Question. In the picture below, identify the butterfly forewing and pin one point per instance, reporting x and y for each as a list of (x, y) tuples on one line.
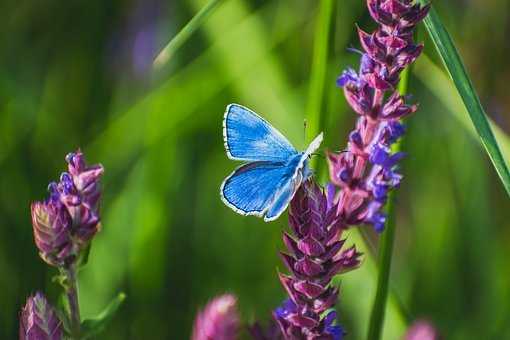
[(248, 137)]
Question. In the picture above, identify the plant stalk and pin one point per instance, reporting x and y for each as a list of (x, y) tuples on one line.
[(315, 117), (386, 248), (72, 297)]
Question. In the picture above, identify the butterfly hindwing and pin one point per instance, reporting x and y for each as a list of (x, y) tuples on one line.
[(252, 188), (248, 137), (283, 198)]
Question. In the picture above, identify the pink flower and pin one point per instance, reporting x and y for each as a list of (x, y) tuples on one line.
[(421, 330), (219, 320)]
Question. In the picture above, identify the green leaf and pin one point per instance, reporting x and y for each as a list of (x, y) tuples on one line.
[(455, 67), (94, 326), (63, 311)]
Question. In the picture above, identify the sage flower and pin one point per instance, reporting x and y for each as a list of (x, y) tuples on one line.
[(366, 171), (65, 222), (38, 320)]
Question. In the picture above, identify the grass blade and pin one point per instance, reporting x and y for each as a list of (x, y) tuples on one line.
[(386, 249), (184, 34), (455, 67), (321, 51)]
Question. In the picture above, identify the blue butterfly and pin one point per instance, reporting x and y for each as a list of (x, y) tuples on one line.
[(265, 185)]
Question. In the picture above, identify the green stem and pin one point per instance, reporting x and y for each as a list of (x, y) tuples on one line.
[(72, 297), (321, 51), (386, 249), (180, 38)]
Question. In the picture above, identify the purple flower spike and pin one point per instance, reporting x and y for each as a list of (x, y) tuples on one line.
[(69, 218), (366, 171), (315, 255), (219, 320), (38, 320)]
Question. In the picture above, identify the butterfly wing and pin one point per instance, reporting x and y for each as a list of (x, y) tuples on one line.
[(249, 137), (283, 197), (252, 188)]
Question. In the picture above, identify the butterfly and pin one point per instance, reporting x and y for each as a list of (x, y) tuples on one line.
[(266, 184)]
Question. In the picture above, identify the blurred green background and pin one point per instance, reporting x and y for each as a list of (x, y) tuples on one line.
[(79, 74)]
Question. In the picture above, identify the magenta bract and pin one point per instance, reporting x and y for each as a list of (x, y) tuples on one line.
[(316, 254)]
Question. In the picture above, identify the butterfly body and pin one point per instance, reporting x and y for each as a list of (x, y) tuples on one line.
[(274, 170)]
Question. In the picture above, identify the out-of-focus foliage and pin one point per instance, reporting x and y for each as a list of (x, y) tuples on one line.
[(79, 74)]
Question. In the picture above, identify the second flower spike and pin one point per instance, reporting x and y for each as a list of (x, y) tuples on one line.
[(66, 221), (315, 255)]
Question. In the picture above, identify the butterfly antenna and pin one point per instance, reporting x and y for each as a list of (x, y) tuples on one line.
[(304, 131)]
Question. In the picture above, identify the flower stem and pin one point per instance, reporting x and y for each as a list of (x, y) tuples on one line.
[(315, 117), (386, 248), (72, 297)]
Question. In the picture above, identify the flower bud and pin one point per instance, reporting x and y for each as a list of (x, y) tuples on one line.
[(421, 330), (219, 320), (38, 320), (51, 223)]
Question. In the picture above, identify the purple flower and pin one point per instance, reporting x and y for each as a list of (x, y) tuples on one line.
[(38, 320), (366, 171), (69, 218), (79, 191), (348, 78), (421, 330), (219, 320), (315, 255)]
